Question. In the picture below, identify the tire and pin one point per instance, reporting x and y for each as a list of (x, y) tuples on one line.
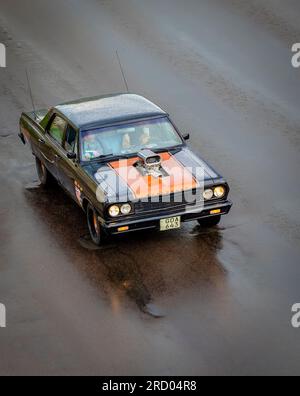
[(95, 228), (43, 174), (210, 222)]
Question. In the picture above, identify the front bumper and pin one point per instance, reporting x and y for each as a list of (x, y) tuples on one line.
[(153, 221)]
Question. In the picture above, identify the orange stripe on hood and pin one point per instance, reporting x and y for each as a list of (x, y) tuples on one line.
[(179, 179)]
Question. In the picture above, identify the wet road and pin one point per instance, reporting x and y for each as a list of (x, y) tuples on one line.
[(222, 68)]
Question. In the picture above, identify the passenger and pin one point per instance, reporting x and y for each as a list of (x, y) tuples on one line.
[(91, 147)]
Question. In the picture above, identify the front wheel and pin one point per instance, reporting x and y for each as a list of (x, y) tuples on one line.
[(210, 221), (95, 228)]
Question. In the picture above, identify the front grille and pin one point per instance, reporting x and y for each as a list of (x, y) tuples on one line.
[(178, 202), (149, 206), (174, 201)]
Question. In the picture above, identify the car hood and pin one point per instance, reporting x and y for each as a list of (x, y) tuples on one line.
[(121, 181)]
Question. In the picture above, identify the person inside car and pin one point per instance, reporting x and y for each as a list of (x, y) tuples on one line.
[(144, 139), (126, 143), (91, 147)]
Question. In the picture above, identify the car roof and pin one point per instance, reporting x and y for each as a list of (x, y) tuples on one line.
[(108, 109)]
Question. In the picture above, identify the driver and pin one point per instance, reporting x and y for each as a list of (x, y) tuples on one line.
[(91, 147), (145, 137), (126, 143)]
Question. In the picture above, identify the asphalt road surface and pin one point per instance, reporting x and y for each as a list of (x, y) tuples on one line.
[(222, 68)]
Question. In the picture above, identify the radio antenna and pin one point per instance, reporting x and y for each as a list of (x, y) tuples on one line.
[(122, 71), (30, 93)]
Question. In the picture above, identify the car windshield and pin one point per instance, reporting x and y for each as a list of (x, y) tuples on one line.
[(118, 140)]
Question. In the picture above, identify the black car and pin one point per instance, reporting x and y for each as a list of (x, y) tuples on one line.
[(125, 163)]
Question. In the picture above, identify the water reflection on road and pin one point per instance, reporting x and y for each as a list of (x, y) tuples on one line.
[(143, 265)]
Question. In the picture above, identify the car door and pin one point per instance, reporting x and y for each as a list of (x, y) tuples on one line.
[(67, 163), (51, 145)]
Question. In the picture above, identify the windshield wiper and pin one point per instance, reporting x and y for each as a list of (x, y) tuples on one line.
[(174, 149), (108, 157)]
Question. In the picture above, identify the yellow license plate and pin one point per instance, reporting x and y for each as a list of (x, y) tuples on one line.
[(172, 223)]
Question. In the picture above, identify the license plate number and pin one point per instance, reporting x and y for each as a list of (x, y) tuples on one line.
[(172, 223)]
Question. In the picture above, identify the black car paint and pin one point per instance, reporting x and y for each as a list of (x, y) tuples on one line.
[(68, 171)]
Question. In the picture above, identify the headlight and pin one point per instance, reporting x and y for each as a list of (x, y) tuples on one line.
[(208, 194), (114, 211), (125, 209), (219, 192)]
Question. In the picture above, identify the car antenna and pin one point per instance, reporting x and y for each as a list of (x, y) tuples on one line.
[(30, 93), (122, 71)]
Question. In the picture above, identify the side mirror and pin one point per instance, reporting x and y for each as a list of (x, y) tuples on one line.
[(186, 136), (72, 156)]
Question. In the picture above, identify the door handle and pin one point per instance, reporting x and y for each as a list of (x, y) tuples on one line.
[(57, 156), (42, 141)]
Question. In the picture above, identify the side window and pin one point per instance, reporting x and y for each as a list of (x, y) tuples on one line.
[(71, 141), (57, 129)]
